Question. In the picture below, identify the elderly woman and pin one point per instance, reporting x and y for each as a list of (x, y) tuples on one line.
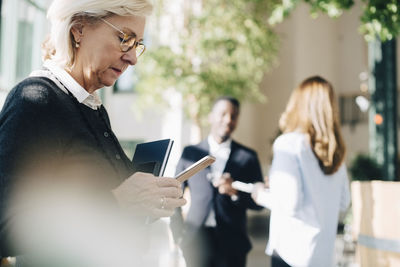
[(59, 157)]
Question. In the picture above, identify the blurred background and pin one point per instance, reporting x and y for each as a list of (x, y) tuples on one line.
[(258, 51)]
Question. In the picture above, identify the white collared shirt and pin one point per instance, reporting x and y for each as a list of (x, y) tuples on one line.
[(62, 78), (221, 153), (304, 202)]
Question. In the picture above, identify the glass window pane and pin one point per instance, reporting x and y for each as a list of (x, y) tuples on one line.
[(350, 113), (1, 37), (24, 55)]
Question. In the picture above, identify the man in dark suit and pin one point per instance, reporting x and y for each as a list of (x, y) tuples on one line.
[(214, 231)]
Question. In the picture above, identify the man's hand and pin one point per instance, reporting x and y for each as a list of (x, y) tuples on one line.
[(266, 181), (224, 185)]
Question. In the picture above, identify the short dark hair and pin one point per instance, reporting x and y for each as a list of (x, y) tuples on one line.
[(230, 99)]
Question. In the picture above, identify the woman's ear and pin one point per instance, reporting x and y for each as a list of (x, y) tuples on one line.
[(76, 31)]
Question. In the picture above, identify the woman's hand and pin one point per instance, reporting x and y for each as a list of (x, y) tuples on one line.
[(258, 189), (143, 194)]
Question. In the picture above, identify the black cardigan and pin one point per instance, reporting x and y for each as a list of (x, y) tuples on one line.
[(44, 130)]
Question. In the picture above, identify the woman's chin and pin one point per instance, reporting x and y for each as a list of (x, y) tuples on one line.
[(109, 82)]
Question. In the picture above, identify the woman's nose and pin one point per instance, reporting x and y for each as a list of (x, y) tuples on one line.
[(130, 57)]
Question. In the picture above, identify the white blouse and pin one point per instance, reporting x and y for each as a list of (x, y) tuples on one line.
[(64, 80), (304, 202)]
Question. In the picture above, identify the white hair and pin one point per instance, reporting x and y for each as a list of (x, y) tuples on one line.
[(64, 14)]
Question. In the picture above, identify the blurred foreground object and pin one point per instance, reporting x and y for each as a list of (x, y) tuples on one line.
[(376, 219)]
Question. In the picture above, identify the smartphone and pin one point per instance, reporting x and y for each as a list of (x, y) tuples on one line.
[(195, 168), (244, 187)]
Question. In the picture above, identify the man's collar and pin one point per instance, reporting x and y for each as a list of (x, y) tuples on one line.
[(214, 144)]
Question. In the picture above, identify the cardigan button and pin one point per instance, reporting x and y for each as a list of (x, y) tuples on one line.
[(117, 156), (106, 134)]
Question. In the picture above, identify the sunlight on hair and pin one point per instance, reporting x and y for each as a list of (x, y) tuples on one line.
[(312, 109)]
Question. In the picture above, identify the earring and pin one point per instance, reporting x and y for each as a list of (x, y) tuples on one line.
[(77, 45)]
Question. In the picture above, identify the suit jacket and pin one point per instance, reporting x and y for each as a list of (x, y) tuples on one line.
[(243, 165)]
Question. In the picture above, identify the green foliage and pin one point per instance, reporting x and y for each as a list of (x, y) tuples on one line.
[(224, 50), (365, 168), (334, 8), (379, 19)]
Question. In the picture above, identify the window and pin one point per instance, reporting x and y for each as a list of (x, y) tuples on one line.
[(1, 37), (350, 112), (26, 19), (24, 48)]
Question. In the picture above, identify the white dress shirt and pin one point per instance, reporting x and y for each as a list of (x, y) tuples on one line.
[(221, 153), (305, 204), (63, 78)]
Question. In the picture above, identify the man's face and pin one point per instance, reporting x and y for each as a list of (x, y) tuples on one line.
[(223, 119)]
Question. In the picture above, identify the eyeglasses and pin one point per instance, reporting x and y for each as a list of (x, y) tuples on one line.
[(128, 41)]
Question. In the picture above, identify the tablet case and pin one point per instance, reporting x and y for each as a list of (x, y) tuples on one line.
[(152, 157)]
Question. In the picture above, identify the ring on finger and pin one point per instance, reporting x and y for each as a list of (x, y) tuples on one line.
[(162, 202)]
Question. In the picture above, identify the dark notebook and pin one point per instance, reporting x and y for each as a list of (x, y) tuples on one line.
[(152, 157)]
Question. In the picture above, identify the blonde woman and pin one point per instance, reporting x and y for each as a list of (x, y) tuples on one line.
[(308, 184)]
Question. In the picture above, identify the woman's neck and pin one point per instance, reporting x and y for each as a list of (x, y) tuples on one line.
[(79, 75)]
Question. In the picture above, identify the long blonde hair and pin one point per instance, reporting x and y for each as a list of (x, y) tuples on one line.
[(312, 109), (64, 14)]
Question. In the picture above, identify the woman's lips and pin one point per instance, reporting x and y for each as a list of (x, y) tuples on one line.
[(117, 71)]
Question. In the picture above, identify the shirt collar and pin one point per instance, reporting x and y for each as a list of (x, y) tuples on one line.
[(83, 96), (215, 146)]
